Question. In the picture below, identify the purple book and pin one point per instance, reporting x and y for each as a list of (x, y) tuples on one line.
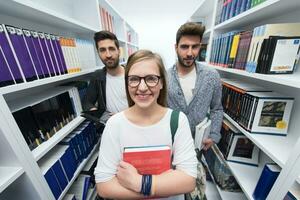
[(18, 44), (61, 55), (9, 57), (52, 54), (40, 53), (42, 40), (6, 77), (33, 54), (57, 55)]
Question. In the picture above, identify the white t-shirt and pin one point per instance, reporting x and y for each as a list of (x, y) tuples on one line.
[(116, 100), (187, 83), (119, 132)]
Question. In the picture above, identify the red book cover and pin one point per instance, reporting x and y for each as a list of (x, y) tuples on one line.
[(149, 159)]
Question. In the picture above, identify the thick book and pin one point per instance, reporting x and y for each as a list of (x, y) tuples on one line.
[(9, 58), (18, 45), (202, 132), (270, 113), (266, 180), (149, 159)]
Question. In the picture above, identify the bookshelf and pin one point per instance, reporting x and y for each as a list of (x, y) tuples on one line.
[(127, 36), (9, 175), (283, 150), (20, 174)]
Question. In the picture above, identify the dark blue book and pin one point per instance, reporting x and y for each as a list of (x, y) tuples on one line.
[(69, 163), (265, 182), (9, 57), (53, 183), (18, 45), (33, 53), (60, 175)]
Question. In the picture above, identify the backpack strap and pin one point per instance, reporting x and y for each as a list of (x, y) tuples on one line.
[(174, 123)]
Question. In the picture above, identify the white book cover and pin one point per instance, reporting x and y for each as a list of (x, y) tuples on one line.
[(286, 55), (202, 131), (272, 113)]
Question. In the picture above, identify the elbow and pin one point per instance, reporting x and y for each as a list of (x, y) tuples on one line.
[(101, 191), (191, 185)]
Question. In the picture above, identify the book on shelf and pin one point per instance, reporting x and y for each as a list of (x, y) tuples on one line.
[(202, 52), (293, 194), (269, 113), (266, 181), (220, 170), (81, 186), (279, 55), (264, 32), (236, 147), (33, 53), (202, 131), (9, 56), (149, 159)]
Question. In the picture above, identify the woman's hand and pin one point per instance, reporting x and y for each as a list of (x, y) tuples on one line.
[(129, 177)]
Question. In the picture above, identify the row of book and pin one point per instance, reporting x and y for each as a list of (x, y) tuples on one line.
[(227, 9), (27, 55), (39, 122), (235, 147), (107, 20), (60, 164), (84, 186), (256, 109), (267, 49)]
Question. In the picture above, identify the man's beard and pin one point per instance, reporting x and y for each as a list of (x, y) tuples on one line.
[(111, 64), (181, 62)]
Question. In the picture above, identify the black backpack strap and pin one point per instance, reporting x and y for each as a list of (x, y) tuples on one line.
[(174, 123)]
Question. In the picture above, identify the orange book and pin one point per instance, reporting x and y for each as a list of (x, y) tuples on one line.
[(149, 159)]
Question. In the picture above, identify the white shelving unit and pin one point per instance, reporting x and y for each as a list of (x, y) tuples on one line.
[(9, 175), (122, 30), (283, 150), (20, 175)]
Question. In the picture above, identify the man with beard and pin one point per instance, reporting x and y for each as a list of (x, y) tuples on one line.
[(192, 87), (106, 90)]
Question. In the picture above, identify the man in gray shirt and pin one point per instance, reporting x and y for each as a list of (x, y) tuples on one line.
[(194, 88)]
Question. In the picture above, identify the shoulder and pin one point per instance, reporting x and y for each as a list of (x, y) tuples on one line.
[(99, 74), (208, 72), (116, 119), (181, 118)]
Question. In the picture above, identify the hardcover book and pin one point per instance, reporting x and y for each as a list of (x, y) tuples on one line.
[(266, 180), (270, 113), (15, 36), (149, 159), (9, 57), (201, 133)]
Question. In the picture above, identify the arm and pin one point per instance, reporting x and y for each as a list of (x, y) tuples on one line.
[(91, 96), (216, 109)]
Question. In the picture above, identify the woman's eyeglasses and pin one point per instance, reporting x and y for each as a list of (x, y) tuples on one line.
[(150, 80)]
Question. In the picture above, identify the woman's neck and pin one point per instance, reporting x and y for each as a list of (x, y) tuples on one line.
[(145, 116)]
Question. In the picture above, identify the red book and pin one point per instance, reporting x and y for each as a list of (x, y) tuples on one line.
[(149, 159)]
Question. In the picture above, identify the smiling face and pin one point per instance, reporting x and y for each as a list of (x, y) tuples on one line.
[(108, 53), (187, 50), (142, 95)]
